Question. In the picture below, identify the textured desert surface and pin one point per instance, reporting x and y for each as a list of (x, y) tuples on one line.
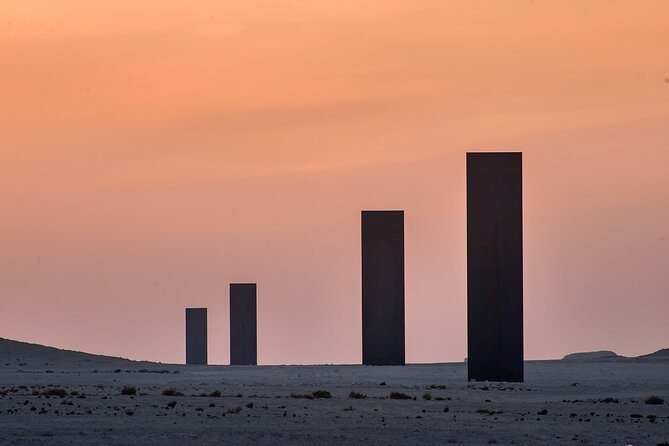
[(54, 397)]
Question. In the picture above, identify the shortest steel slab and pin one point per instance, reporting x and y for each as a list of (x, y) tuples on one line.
[(196, 336)]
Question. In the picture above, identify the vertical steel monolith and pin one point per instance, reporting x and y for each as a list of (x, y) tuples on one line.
[(243, 324), (383, 288), (495, 266), (196, 336)]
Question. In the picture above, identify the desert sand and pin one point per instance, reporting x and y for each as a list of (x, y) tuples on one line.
[(53, 397)]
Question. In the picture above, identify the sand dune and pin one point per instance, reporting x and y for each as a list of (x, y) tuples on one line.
[(53, 397)]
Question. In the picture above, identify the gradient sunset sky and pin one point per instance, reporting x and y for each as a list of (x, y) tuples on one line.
[(151, 152)]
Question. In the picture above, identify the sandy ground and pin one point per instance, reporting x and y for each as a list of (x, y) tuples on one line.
[(560, 403)]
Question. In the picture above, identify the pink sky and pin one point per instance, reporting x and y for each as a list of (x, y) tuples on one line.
[(151, 152)]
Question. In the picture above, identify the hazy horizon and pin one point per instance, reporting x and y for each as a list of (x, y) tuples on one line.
[(146, 164)]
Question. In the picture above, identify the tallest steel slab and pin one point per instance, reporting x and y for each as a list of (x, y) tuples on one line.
[(495, 266), (383, 287)]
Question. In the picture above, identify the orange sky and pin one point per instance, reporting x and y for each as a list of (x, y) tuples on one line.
[(151, 152)]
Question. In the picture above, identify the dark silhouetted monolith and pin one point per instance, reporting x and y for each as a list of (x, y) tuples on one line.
[(243, 324), (196, 336), (495, 266), (383, 287)]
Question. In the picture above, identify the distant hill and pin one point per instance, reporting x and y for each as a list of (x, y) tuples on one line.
[(600, 356), (660, 356), (609, 356), (28, 356)]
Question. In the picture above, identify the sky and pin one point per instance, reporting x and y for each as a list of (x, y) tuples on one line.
[(152, 152)]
